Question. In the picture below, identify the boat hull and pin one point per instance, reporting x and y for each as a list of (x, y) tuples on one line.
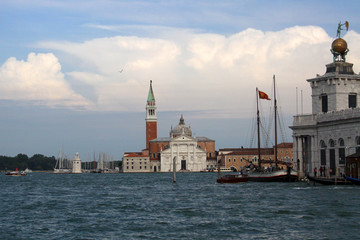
[(273, 176), (15, 174), (329, 181), (232, 179), (353, 180)]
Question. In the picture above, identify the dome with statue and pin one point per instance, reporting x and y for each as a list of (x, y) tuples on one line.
[(182, 128)]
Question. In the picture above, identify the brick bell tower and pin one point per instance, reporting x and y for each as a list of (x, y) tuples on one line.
[(151, 118)]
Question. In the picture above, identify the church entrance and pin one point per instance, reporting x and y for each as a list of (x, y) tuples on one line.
[(183, 164)]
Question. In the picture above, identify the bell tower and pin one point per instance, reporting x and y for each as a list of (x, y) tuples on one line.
[(151, 117)]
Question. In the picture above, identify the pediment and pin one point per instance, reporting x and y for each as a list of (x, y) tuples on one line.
[(183, 138)]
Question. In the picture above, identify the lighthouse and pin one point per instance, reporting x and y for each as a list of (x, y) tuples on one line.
[(76, 164)]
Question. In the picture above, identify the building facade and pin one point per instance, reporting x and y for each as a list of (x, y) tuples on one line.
[(136, 162), (331, 132), (237, 159), (191, 153)]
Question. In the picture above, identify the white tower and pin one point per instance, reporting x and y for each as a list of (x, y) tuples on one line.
[(76, 164)]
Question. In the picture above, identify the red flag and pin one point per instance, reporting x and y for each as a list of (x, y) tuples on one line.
[(263, 95)]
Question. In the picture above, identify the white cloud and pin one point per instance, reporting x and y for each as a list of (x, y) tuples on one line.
[(191, 71), (37, 79)]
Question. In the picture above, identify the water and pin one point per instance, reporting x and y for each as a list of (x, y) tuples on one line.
[(151, 206)]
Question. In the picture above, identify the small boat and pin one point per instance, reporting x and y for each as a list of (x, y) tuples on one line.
[(232, 178), (353, 180), (329, 181), (16, 173)]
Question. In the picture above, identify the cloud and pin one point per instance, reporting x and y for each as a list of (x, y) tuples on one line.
[(38, 79), (212, 74)]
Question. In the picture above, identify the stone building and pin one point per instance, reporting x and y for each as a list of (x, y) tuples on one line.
[(237, 159), (332, 131)]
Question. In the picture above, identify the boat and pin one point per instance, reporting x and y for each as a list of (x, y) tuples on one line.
[(16, 173), (329, 181), (259, 174), (232, 178), (353, 180), (282, 175), (61, 164), (28, 170)]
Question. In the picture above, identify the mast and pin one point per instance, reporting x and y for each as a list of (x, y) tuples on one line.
[(258, 125), (275, 110)]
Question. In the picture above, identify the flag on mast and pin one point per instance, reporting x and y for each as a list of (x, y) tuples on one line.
[(263, 95)]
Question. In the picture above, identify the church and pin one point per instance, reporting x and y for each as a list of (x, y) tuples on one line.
[(325, 138), (190, 153)]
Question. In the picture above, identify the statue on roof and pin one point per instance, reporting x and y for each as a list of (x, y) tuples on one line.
[(338, 33), (339, 46)]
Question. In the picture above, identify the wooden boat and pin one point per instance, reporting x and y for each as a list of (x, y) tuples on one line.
[(232, 178), (353, 180), (329, 181), (282, 175), (277, 175)]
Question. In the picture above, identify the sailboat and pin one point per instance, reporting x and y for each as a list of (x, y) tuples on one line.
[(277, 174), (60, 164)]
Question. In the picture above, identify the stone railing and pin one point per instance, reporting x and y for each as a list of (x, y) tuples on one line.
[(348, 113), (304, 120)]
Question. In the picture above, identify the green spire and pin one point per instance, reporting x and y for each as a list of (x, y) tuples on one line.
[(151, 97)]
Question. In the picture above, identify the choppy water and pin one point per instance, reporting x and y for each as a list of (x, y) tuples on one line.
[(151, 206)]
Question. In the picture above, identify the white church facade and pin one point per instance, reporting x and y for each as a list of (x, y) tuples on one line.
[(187, 154)]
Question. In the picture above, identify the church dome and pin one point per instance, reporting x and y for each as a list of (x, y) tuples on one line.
[(182, 128)]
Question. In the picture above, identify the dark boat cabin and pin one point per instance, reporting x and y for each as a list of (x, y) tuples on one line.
[(353, 165)]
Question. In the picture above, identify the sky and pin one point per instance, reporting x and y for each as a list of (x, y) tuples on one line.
[(75, 75)]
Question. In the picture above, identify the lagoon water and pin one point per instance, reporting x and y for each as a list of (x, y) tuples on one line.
[(151, 206)]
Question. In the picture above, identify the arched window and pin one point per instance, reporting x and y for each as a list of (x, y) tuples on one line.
[(332, 143), (332, 156), (341, 151), (322, 153)]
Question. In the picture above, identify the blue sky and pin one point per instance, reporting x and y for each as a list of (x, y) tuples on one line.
[(59, 68)]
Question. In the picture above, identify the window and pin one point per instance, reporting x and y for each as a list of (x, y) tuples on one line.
[(352, 100), (229, 159), (341, 151), (324, 103), (234, 160)]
